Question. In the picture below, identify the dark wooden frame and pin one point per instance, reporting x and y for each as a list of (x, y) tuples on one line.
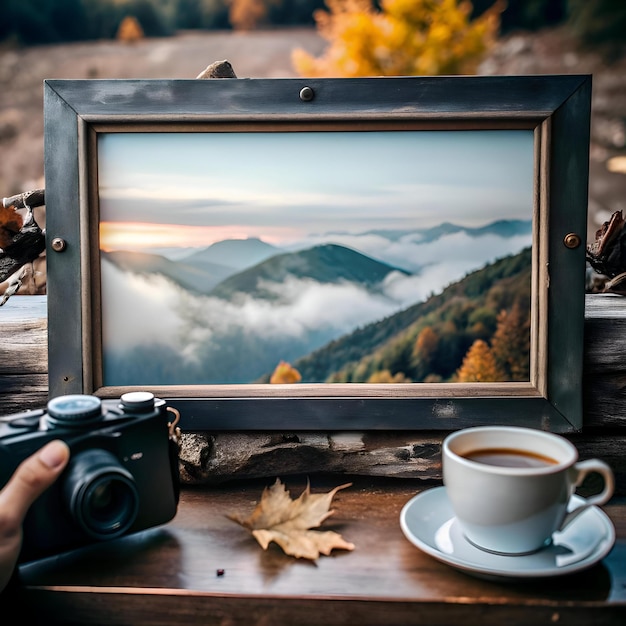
[(557, 108)]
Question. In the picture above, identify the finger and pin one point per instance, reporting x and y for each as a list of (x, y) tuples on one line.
[(33, 476)]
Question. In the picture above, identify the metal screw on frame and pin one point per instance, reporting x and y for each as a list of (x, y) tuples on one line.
[(307, 94), (571, 241), (58, 244)]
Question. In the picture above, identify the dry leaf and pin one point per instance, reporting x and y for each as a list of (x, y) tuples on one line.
[(10, 223), (288, 522)]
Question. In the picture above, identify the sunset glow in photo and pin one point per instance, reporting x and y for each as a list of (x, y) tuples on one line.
[(190, 190), (146, 236)]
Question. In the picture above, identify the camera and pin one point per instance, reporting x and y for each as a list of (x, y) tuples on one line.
[(122, 476)]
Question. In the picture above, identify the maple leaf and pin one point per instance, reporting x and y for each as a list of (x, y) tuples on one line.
[(287, 522)]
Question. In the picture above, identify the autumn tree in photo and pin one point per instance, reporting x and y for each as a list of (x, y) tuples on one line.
[(479, 365), (385, 376), (285, 373), (426, 344), (402, 38), (511, 343), (424, 350)]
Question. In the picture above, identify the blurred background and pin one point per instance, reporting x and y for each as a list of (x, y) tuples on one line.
[(42, 39)]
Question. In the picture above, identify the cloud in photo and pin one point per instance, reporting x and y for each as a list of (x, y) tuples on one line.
[(305, 314), (457, 253), (141, 310)]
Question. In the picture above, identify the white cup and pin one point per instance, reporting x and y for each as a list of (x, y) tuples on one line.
[(515, 510)]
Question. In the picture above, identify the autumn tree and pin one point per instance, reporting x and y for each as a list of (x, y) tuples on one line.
[(424, 349), (285, 373), (247, 14), (479, 365), (385, 376), (451, 347), (426, 343), (402, 38), (511, 342), (129, 30)]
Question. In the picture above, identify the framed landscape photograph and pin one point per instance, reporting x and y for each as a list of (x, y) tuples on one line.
[(384, 253)]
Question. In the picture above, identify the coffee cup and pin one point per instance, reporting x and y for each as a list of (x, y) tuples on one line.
[(511, 488)]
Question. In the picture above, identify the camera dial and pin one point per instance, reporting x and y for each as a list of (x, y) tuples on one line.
[(137, 402), (73, 411)]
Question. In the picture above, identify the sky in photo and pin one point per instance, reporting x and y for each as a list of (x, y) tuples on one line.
[(181, 190)]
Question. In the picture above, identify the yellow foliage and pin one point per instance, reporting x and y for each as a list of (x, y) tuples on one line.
[(511, 342), (403, 38), (285, 373), (385, 376), (247, 14), (479, 365), (426, 344), (129, 30)]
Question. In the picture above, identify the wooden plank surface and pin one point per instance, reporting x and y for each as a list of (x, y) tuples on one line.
[(172, 575)]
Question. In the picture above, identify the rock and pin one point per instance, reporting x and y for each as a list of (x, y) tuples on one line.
[(219, 69), (210, 459)]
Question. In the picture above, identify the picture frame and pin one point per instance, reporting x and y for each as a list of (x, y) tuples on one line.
[(554, 110)]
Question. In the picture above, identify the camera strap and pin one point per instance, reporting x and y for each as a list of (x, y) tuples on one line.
[(175, 434), (175, 443)]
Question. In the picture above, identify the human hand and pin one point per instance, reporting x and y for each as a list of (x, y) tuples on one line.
[(32, 477)]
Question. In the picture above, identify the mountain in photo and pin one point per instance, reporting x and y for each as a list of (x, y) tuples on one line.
[(234, 253), (326, 264), (194, 278), (499, 228)]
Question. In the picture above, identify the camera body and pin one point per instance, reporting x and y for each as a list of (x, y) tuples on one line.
[(122, 476)]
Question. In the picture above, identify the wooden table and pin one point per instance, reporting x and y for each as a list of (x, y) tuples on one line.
[(173, 574)]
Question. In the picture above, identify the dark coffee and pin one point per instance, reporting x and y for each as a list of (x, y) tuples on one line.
[(509, 458)]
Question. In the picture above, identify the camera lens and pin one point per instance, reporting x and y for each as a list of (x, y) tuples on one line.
[(74, 411), (101, 494)]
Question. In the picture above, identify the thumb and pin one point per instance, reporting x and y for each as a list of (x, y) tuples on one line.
[(32, 477)]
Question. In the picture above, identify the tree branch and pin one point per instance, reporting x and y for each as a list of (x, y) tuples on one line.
[(26, 200)]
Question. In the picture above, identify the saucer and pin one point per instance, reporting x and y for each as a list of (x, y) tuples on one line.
[(428, 522)]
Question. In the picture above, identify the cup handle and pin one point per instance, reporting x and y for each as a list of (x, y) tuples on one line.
[(580, 471)]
